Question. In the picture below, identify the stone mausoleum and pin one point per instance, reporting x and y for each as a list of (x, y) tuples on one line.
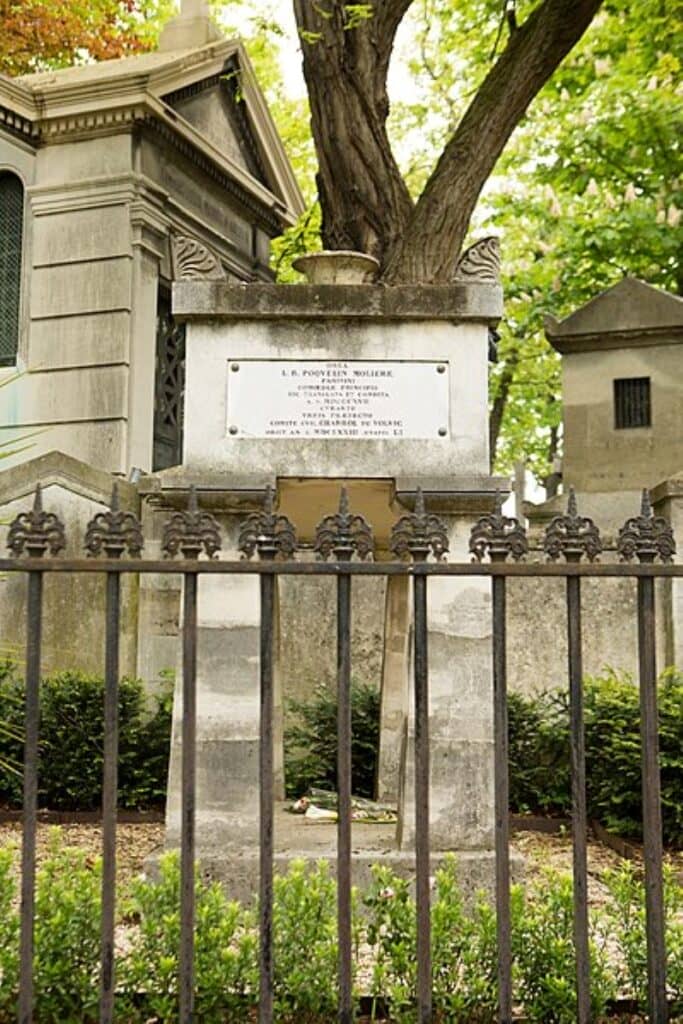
[(116, 180), (622, 395)]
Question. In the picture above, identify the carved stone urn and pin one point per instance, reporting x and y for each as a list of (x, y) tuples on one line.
[(337, 267)]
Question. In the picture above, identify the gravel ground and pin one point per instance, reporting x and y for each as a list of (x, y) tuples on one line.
[(136, 842)]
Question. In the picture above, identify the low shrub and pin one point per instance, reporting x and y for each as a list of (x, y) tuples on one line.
[(539, 753), (305, 955), (71, 742), (226, 952), (9, 935), (311, 741), (305, 944), (613, 753), (67, 935), (464, 960), (543, 951), (627, 891)]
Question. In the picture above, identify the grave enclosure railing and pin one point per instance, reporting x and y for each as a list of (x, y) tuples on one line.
[(114, 545)]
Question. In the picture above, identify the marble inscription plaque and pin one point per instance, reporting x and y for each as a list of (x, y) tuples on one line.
[(379, 399)]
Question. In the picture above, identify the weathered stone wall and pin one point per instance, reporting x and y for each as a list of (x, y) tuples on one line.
[(308, 633), (74, 605), (537, 630), (597, 456)]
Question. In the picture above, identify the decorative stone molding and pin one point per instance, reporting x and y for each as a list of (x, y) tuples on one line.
[(480, 263), (16, 124), (192, 261)]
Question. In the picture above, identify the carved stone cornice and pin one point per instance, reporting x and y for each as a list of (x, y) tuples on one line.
[(18, 125), (270, 219)]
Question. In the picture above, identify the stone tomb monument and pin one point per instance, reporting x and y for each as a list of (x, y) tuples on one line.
[(384, 390)]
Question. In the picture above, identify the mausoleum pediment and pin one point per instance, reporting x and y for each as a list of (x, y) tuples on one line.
[(215, 109), (206, 98), (631, 310)]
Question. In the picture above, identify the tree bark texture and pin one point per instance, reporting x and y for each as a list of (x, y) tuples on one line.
[(364, 199), (365, 202)]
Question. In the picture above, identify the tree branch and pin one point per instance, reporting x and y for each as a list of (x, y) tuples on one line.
[(437, 227), (389, 15)]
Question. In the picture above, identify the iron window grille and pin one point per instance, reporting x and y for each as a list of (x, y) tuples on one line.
[(11, 241), (632, 403)]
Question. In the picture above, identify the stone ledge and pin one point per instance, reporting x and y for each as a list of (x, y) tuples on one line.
[(57, 468), (218, 300), (472, 494), (235, 861)]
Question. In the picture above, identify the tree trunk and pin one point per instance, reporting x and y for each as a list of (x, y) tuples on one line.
[(364, 199), (500, 404), (365, 202)]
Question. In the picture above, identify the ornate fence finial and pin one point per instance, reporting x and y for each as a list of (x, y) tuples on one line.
[(344, 534), (269, 534), (647, 536), (419, 534), (36, 532), (572, 535), (191, 532), (498, 536), (114, 532)]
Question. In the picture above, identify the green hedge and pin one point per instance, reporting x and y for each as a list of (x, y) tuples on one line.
[(538, 750), (71, 742), (311, 741), (539, 753)]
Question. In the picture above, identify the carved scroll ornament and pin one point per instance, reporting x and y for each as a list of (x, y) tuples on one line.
[(480, 264), (193, 261)]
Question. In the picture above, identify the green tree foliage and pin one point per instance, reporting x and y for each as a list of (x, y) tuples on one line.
[(589, 189), (596, 194)]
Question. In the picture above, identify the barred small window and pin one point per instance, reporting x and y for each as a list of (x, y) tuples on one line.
[(11, 238), (632, 404)]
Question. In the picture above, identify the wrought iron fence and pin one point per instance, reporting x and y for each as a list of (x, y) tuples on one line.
[(344, 544)]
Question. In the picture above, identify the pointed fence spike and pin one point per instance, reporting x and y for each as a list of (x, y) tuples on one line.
[(646, 505), (419, 502), (38, 499), (499, 502), (115, 504), (344, 502), (269, 501), (192, 505), (572, 507)]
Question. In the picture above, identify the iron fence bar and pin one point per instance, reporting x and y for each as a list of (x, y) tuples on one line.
[(266, 802), (109, 795), (422, 860), (344, 790), (502, 802), (332, 568), (188, 785), (579, 814), (652, 808), (34, 613)]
